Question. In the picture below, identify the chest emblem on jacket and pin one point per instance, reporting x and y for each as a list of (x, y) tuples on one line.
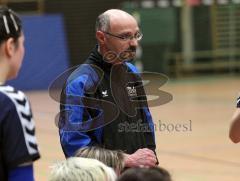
[(132, 91), (104, 93)]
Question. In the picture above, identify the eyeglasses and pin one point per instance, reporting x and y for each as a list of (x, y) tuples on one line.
[(138, 36)]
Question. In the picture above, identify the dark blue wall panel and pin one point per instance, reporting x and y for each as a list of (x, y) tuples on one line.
[(46, 54)]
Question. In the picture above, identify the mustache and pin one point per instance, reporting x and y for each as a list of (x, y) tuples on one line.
[(132, 49), (128, 54)]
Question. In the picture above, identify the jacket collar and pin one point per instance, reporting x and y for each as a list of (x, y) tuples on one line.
[(98, 58)]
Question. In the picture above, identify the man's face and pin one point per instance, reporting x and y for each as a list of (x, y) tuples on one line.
[(125, 28)]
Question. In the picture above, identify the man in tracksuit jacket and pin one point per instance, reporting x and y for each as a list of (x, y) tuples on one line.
[(103, 102)]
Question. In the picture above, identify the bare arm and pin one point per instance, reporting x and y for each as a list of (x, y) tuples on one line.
[(234, 132)]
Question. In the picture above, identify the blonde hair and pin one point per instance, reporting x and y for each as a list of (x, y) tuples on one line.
[(81, 169), (112, 158)]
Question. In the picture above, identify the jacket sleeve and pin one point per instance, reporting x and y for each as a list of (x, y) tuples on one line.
[(21, 173), (74, 114)]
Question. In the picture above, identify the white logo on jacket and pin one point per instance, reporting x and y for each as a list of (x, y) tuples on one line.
[(104, 93), (132, 91)]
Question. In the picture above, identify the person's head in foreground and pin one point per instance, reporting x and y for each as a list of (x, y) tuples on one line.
[(11, 44), (81, 169), (145, 174), (112, 158), (118, 34)]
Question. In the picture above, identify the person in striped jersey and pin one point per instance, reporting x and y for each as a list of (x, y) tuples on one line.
[(234, 132), (18, 146)]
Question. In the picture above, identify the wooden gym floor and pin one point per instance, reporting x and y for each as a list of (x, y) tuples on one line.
[(197, 150)]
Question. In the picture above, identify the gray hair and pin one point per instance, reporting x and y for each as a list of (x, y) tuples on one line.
[(103, 22), (81, 169)]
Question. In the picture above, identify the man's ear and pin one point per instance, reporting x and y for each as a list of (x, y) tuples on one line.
[(100, 37), (10, 47)]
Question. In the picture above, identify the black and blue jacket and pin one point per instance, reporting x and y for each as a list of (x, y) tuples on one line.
[(104, 104)]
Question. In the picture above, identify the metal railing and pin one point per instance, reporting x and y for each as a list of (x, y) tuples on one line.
[(222, 59)]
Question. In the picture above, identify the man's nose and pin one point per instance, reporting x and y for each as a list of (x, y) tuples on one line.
[(133, 42)]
